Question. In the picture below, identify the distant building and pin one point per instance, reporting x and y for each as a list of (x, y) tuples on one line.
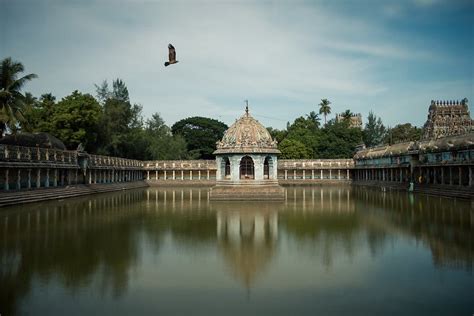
[(447, 118), (355, 119)]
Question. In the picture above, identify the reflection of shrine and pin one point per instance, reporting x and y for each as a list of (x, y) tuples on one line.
[(247, 237)]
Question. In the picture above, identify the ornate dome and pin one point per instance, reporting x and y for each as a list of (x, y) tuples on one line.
[(247, 135)]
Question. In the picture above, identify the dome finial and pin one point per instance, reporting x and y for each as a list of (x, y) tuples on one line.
[(247, 107)]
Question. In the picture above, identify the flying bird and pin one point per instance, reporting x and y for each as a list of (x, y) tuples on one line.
[(171, 56)]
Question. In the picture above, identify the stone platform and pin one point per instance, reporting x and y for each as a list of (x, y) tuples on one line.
[(266, 190)]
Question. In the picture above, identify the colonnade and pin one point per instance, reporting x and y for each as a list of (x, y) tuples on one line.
[(314, 174), (30, 178), (457, 175), (181, 174), (382, 174)]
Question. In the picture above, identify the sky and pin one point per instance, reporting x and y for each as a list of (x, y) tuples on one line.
[(391, 57)]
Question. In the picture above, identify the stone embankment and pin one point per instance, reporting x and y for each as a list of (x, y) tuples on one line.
[(438, 190), (55, 193)]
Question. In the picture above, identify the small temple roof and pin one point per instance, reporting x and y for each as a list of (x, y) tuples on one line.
[(457, 142), (247, 135)]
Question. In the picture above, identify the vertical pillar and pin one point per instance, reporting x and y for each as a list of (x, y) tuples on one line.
[(286, 174), (28, 185), (460, 175), (312, 174), (199, 175), (294, 174), (95, 175), (304, 174), (435, 181), (75, 176), (7, 180), (55, 178), (401, 174), (165, 175), (470, 177), (339, 174), (330, 176), (347, 174), (182, 175), (383, 174), (450, 175), (46, 179), (18, 180), (442, 175), (38, 178), (208, 177), (148, 174), (190, 174), (321, 174), (156, 174), (90, 177)]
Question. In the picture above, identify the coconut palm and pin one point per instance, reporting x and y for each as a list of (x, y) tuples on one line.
[(324, 108), (347, 114), (12, 101)]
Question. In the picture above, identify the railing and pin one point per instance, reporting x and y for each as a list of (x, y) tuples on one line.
[(106, 161), (315, 163), (180, 165), (36, 154)]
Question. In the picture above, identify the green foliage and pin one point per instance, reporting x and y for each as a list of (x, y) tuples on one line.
[(402, 133), (293, 149), (324, 108), (374, 132), (12, 102), (75, 120), (338, 140), (200, 134), (163, 145), (277, 134)]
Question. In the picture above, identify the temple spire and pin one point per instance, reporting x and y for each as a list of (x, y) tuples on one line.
[(247, 107)]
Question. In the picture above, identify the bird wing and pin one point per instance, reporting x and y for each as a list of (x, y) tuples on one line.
[(172, 53)]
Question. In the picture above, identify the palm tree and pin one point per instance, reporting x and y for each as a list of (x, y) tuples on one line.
[(324, 108), (12, 102), (347, 114)]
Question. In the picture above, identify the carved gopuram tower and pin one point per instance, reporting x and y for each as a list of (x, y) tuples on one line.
[(447, 118)]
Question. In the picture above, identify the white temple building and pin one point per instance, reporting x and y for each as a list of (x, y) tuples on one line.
[(246, 159)]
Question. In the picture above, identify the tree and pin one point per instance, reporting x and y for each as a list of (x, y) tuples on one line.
[(374, 132), (75, 120), (38, 114), (12, 101), (277, 134), (163, 145), (102, 91), (347, 115), (402, 133), (293, 149), (200, 134), (324, 108), (337, 140)]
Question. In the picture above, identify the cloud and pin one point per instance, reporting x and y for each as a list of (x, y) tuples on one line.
[(285, 56)]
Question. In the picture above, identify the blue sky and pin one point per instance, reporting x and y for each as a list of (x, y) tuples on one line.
[(392, 57)]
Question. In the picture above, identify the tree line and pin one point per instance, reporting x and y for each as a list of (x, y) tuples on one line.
[(110, 124)]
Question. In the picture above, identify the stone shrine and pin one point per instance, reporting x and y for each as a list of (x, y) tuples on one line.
[(246, 159)]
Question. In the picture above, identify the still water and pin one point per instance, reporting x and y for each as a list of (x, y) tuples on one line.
[(325, 250)]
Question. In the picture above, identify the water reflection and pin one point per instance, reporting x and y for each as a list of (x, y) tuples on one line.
[(97, 243)]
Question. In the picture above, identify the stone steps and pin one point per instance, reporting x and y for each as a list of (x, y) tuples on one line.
[(37, 195), (438, 190)]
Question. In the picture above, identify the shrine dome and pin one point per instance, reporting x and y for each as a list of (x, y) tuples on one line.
[(247, 135)]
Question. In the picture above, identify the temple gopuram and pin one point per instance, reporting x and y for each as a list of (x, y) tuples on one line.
[(447, 118), (355, 121)]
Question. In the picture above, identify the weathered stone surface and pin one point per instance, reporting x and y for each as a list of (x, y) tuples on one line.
[(447, 118)]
